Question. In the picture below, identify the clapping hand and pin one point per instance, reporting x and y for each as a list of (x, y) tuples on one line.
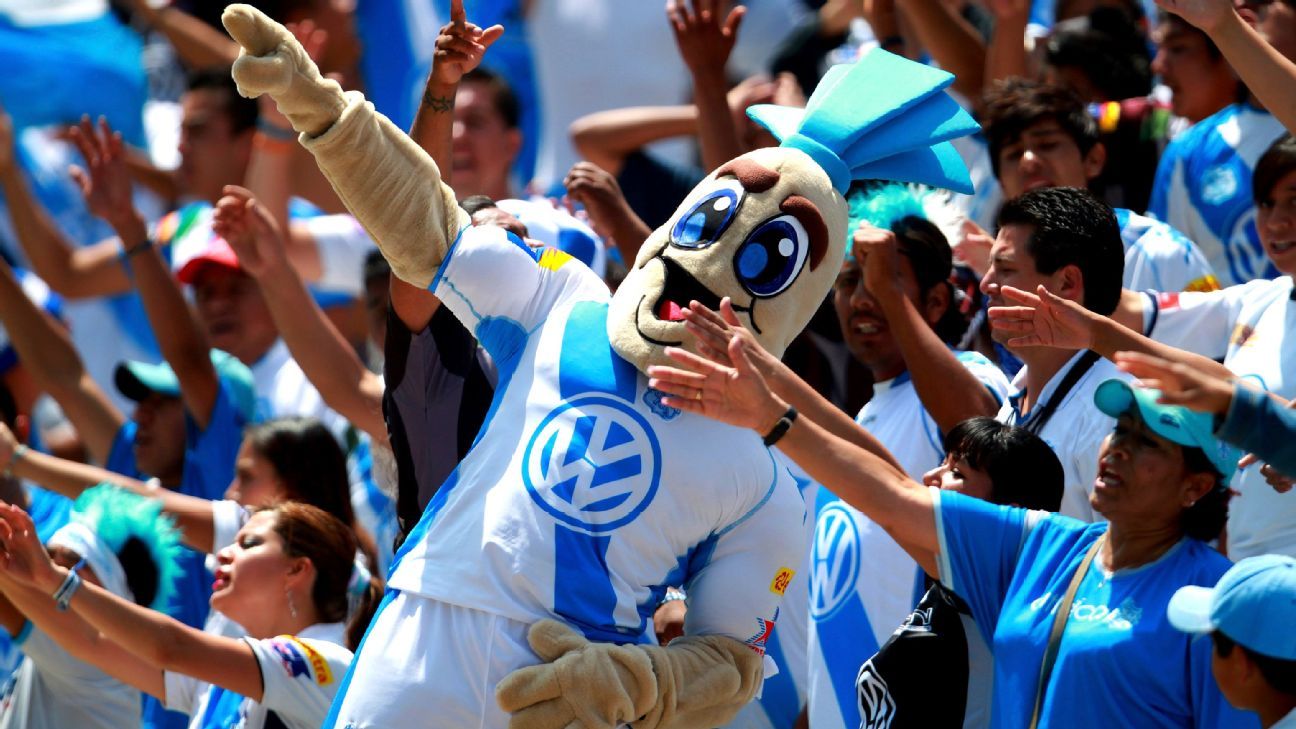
[(705, 38), (737, 395), (105, 181), (23, 558), (251, 231), (1043, 319)]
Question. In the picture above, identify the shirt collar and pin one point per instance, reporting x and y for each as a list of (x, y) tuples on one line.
[(1019, 384)]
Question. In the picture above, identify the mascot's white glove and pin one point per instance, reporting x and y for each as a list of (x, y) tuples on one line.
[(693, 682), (386, 180)]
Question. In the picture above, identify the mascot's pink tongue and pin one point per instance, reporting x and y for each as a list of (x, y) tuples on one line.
[(670, 311)]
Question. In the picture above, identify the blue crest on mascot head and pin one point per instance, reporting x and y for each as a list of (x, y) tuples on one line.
[(768, 229)]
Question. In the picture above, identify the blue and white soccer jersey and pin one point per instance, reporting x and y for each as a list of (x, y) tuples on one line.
[(300, 675), (1203, 189), (1075, 432), (1249, 327), (783, 697), (861, 581), (1160, 258), (584, 497)]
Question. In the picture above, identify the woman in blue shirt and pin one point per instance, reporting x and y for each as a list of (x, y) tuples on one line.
[(1162, 486)]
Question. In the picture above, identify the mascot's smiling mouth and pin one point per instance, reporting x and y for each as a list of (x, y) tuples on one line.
[(679, 287)]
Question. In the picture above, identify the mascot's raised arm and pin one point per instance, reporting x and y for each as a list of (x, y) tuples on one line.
[(524, 596)]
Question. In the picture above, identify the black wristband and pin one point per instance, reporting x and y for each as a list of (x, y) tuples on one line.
[(144, 245), (781, 428)]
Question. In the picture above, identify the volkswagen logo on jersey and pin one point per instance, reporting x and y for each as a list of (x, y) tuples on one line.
[(594, 464), (834, 561)]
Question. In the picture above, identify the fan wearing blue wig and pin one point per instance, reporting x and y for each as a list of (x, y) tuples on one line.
[(121, 542), (528, 586)]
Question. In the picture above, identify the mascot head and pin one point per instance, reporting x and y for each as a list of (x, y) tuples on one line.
[(769, 229)]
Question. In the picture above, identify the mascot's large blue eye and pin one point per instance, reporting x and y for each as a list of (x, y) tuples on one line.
[(707, 219), (772, 256)]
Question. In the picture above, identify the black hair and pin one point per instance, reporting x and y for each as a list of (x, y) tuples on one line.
[(1212, 50), (1014, 105), (1023, 469), (1071, 227), (1205, 519), (476, 203), (8, 406), (242, 112), (923, 243), (1280, 674), (505, 100), (310, 463), (1273, 165), (141, 571), (1107, 47), (375, 267)]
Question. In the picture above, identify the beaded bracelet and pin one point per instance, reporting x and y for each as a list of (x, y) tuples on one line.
[(71, 583)]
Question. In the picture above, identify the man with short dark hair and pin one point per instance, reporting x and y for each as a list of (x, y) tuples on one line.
[(1041, 135), (1065, 240)]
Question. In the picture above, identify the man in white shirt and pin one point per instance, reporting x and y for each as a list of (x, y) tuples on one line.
[(1066, 240)]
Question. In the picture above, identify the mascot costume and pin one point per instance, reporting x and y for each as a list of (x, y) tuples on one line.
[(529, 584)]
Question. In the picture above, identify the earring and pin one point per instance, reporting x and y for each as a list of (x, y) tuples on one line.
[(292, 606)]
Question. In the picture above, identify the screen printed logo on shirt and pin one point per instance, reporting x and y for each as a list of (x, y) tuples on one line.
[(834, 561), (594, 464), (876, 705)]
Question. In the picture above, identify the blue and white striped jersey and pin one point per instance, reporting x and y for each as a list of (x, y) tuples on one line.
[(1160, 258), (1203, 188), (584, 497)]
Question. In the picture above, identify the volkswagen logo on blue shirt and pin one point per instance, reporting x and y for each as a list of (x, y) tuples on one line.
[(834, 561), (594, 464)]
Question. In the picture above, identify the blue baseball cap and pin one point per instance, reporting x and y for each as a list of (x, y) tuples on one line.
[(1254, 604), (1174, 423), (137, 380)]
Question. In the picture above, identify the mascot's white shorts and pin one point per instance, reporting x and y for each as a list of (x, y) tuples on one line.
[(427, 663)]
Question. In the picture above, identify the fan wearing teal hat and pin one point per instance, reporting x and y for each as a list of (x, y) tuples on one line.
[(1250, 615)]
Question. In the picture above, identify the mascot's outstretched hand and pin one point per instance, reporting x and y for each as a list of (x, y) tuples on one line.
[(693, 682), (273, 62), (386, 180)]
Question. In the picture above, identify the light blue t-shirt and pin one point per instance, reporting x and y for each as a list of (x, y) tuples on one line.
[(1120, 662), (208, 471), (1203, 189)]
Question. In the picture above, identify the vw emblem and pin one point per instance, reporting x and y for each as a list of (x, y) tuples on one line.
[(594, 464), (834, 561)]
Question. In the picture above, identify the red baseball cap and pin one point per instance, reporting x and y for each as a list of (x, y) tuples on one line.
[(214, 251)]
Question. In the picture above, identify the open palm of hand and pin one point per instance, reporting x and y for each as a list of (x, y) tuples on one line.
[(22, 557), (105, 182)]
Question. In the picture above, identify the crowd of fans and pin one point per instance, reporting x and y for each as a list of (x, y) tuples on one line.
[(1033, 426)]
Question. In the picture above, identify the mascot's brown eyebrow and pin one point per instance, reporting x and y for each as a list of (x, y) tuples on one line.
[(807, 213), (753, 176)]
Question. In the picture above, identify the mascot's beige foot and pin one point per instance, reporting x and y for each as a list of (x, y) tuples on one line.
[(273, 62)]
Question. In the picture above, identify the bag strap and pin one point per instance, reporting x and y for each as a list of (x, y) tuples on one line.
[(1035, 423), (1059, 624)]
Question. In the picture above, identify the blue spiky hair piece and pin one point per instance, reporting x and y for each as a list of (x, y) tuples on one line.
[(116, 515), (881, 118)]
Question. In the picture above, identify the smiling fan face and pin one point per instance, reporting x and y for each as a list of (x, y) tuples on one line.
[(766, 229)]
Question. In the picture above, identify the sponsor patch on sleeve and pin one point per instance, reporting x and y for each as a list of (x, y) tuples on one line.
[(299, 659), (1167, 300), (553, 259), (782, 579), (1205, 283)]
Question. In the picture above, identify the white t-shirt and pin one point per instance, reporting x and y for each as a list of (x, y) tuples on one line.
[(1250, 327), (300, 675), (862, 584), (1160, 258), (53, 690), (282, 390), (1075, 432), (584, 496)]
